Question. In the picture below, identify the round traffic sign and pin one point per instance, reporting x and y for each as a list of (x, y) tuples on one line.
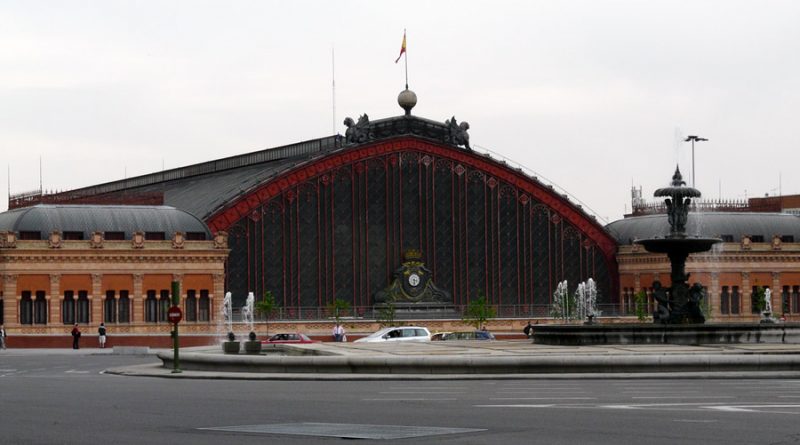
[(174, 315)]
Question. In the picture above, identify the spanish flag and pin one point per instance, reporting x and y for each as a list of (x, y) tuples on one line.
[(402, 48)]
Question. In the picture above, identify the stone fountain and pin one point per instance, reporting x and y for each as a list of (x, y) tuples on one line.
[(679, 318), (679, 303)]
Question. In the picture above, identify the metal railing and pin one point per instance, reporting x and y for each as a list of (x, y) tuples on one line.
[(439, 312)]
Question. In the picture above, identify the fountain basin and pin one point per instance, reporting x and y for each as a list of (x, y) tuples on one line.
[(687, 334), (678, 244)]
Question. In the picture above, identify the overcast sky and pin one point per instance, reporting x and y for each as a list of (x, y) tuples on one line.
[(594, 95)]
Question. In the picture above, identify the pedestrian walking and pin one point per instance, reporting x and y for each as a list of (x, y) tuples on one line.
[(76, 337), (3, 336), (101, 332)]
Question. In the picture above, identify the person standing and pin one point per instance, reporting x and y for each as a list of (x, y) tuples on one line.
[(3, 336), (528, 329), (76, 337), (101, 332), (338, 333)]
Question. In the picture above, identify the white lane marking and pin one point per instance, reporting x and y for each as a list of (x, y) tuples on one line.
[(684, 397), (694, 421), (542, 398), (514, 406), (422, 392), (755, 408), (74, 371), (427, 388), (408, 400)]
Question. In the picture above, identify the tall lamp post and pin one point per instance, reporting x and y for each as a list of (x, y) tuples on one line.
[(694, 139)]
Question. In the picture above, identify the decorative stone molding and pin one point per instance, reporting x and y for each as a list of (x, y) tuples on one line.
[(776, 242), (96, 240), (221, 240), (745, 275), (54, 241), (178, 240), (55, 279), (97, 279), (8, 239), (10, 279), (137, 279), (177, 277), (776, 276), (137, 240), (746, 242)]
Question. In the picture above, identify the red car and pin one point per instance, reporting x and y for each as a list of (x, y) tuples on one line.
[(292, 337)]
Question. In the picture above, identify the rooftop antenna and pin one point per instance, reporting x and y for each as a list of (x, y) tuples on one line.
[(333, 86)]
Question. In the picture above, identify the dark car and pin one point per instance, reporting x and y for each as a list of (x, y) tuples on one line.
[(292, 337), (469, 335)]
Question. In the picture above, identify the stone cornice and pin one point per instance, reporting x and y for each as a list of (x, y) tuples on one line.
[(106, 259)]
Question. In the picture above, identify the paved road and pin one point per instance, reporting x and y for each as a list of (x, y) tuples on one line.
[(65, 398)]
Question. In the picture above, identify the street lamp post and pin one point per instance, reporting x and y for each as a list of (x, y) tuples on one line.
[(694, 139)]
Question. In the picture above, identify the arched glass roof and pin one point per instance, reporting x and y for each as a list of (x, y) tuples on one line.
[(730, 225), (45, 218)]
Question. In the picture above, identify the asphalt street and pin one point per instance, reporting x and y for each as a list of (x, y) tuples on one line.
[(65, 398)]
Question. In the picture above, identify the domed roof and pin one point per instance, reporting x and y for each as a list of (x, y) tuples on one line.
[(726, 225), (45, 218)]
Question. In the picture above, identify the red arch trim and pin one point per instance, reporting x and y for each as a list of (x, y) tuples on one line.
[(256, 197)]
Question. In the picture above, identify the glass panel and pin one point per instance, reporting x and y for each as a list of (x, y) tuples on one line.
[(40, 308), (151, 307), (68, 308), (110, 307), (83, 307), (123, 307), (191, 305), (724, 304), (26, 308)]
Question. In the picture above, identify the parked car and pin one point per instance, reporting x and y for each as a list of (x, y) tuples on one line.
[(399, 334), (468, 335), (439, 336), (289, 337)]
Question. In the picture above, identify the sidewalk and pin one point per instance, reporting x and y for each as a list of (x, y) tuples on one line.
[(482, 360)]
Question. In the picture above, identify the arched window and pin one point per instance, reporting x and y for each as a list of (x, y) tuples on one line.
[(110, 307), (163, 305), (204, 306), (123, 307), (68, 307), (151, 307), (26, 308), (82, 313), (191, 305), (40, 308)]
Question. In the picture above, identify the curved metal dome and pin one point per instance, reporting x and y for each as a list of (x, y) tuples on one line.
[(44, 218), (715, 224)]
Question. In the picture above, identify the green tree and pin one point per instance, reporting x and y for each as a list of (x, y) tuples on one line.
[(386, 314), (641, 305), (267, 306), (478, 311), (759, 300), (337, 308)]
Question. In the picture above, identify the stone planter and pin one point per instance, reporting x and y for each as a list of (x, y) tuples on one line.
[(230, 347), (252, 347)]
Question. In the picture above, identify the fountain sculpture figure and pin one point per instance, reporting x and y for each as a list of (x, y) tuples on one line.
[(227, 311), (679, 303), (247, 310)]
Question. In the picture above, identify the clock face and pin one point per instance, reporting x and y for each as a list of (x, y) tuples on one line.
[(413, 280)]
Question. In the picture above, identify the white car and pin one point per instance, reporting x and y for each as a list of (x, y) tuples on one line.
[(402, 333)]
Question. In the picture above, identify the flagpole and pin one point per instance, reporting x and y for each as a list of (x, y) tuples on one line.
[(406, 56)]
